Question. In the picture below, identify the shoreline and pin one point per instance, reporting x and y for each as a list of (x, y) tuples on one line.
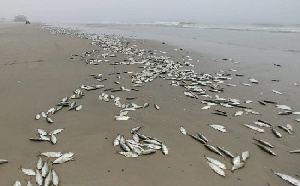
[(47, 74)]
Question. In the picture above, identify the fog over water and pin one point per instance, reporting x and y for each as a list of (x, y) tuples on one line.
[(139, 11)]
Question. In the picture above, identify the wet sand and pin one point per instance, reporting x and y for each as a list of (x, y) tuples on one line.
[(36, 72)]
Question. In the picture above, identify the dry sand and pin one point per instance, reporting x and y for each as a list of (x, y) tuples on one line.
[(36, 72)]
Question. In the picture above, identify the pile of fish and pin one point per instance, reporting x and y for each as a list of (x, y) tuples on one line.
[(44, 136), (139, 145), (216, 165)]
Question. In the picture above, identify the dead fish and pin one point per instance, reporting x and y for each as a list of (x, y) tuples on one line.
[(136, 129), (290, 127), (285, 113), (152, 146), (156, 106), (226, 152), (262, 103), (129, 154), (29, 183), (62, 159), (264, 142), (149, 151), (2, 161), (72, 106), (49, 120), (277, 134), (51, 154), (183, 131), (146, 105), (267, 123), (284, 107), (252, 80), (48, 179), (44, 115), (152, 142), (295, 151), (288, 178), (245, 155), (236, 160), (28, 172), (266, 149), (276, 92), (237, 166), (285, 129), (164, 149), (213, 149), (136, 138), (255, 128), (42, 132), (247, 84), (198, 139), (117, 140), (45, 138), (39, 164), (55, 179), (68, 155), (53, 139), (37, 116), (141, 136), (125, 147), (17, 183), (122, 118), (206, 107), (218, 127), (268, 101), (39, 139), (216, 162), (56, 131), (45, 169), (203, 137), (217, 169), (38, 178), (79, 107), (238, 113)]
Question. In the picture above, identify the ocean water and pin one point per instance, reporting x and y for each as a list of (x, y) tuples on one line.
[(253, 45)]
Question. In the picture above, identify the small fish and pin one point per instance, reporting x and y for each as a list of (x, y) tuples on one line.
[(146, 105), (255, 128), (2, 161), (264, 142), (68, 155), (29, 183), (218, 127), (213, 149), (217, 169), (152, 142), (152, 146), (164, 149), (79, 107), (48, 179), (38, 178), (17, 183), (136, 129), (252, 80), (55, 179), (285, 129), (39, 164), (183, 131), (117, 140), (261, 124), (276, 133), (216, 162), (149, 151), (226, 152), (45, 169), (136, 138), (276, 92), (288, 178), (56, 131), (266, 149), (49, 120), (125, 147), (53, 139), (28, 172), (206, 107), (290, 127), (198, 139), (42, 132), (295, 151), (44, 115), (37, 116), (236, 160), (51, 154), (238, 113), (156, 106), (245, 155), (129, 154), (122, 118), (262, 103), (203, 137), (62, 159), (237, 166)]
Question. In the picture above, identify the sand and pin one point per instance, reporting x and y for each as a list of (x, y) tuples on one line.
[(36, 72)]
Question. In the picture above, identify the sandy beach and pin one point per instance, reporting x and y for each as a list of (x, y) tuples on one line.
[(36, 72)]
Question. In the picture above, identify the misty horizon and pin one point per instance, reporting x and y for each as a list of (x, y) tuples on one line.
[(140, 11)]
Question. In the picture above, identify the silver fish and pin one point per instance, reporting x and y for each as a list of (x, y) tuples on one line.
[(245, 155), (39, 164), (277, 134), (48, 179), (17, 183), (156, 106), (237, 166), (125, 147), (213, 149), (183, 131), (255, 128), (37, 116), (129, 154), (198, 139), (2, 161), (42, 132), (264, 142), (216, 162), (53, 139), (226, 152), (117, 140), (55, 179), (164, 149), (217, 169), (152, 142), (203, 137), (51, 154), (288, 178), (266, 149), (136, 129), (45, 169), (44, 115), (49, 120), (136, 138), (28, 172), (62, 159), (38, 178), (56, 131), (295, 151), (149, 151), (79, 107)]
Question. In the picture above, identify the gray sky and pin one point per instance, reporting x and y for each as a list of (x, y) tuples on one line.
[(208, 11)]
